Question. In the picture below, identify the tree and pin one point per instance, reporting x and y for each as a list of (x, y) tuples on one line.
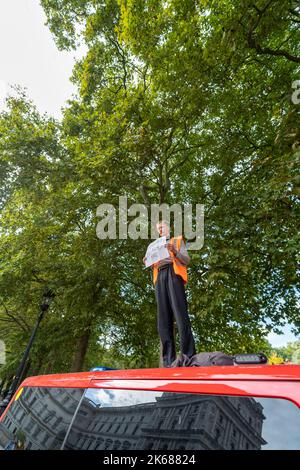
[(198, 97), (290, 352), (186, 102)]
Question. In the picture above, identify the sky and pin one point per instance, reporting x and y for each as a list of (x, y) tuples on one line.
[(30, 58), (277, 341)]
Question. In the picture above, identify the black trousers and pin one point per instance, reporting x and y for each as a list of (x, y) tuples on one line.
[(172, 303)]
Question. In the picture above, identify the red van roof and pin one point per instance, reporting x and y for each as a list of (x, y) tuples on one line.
[(290, 372), (276, 381)]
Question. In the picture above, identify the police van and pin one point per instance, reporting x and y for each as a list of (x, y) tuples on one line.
[(239, 407)]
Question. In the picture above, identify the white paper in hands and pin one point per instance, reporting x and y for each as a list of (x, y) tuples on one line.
[(156, 251)]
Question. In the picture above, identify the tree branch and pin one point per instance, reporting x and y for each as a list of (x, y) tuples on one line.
[(16, 320), (253, 44)]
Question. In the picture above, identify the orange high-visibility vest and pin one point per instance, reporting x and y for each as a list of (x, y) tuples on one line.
[(178, 267)]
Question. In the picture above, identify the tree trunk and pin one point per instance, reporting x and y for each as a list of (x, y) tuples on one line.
[(37, 369), (82, 345)]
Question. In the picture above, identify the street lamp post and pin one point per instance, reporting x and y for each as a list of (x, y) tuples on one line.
[(47, 298)]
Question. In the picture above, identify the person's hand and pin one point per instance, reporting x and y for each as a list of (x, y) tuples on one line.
[(171, 248)]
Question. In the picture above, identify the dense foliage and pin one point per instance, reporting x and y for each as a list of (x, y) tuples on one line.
[(178, 101)]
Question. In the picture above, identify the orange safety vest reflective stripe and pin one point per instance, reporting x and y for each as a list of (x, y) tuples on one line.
[(178, 267)]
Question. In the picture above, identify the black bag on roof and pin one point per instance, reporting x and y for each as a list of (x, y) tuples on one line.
[(215, 358)]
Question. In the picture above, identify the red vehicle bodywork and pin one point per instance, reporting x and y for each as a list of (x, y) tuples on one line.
[(269, 381)]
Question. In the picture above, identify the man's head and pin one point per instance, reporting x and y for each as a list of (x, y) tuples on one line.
[(163, 228)]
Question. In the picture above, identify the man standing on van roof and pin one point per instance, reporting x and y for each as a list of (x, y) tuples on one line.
[(169, 278)]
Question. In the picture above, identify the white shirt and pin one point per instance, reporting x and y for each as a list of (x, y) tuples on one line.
[(182, 255)]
